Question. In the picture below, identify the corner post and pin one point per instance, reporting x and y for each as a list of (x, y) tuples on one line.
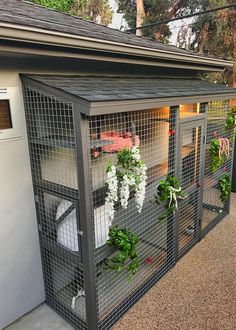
[(86, 219)]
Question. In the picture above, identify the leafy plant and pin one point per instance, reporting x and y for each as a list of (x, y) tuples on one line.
[(219, 151), (124, 241), (230, 121), (225, 187), (169, 191)]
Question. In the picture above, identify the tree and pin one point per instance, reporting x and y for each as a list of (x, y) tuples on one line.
[(215, 34), (96, 10), (154, 11)]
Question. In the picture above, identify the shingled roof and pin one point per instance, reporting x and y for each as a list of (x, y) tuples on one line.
[(19, 12), (94, 92)]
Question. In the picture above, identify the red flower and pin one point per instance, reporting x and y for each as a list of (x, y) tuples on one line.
[(171, 132), (149, 260), (225, 169)]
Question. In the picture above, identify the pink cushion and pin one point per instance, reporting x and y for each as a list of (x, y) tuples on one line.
[(120, 140)]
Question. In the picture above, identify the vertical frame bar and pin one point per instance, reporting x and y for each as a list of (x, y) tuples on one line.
[(172, 164), (87, 241), (203, 108)]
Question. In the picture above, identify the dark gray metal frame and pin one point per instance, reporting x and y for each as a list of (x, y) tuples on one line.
[(85, 233)]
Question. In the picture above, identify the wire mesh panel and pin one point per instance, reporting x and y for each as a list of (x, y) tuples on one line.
[(150, 131), (52, 142), (191, 139), (213, 207), (51, 136)]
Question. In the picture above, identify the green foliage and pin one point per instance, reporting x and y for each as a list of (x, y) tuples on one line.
[(60, 5), (169, 191), (94, 10), (126, 258), (225, 187), (216, 160), (218, 153), (230, 121)]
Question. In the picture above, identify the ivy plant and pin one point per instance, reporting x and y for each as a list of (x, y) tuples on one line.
[(225, 187), (230, 121), (169, 191), (219, 151), (126, 257)]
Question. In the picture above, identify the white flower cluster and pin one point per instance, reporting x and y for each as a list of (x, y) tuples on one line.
[(122, 181), (112, 197), (141, 186)]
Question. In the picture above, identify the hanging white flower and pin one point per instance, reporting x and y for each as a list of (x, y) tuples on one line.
[(124, 191), (129, 175), (112, 187)]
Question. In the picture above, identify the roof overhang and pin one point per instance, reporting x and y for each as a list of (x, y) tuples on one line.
[(90, 107), (53, 43)]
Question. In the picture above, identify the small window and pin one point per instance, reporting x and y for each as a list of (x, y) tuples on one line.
[(5, 115), (191, 110), (11, 114)]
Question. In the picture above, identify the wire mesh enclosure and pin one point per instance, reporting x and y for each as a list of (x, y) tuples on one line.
[(88, 279)]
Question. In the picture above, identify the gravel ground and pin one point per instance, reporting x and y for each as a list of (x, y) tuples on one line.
[(199, 293)]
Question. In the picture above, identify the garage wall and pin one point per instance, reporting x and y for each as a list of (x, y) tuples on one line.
[(21, 281)]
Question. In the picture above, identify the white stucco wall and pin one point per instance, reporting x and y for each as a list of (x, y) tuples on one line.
[(21, 281)]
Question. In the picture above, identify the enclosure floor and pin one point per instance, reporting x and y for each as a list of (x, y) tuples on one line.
[(199, 293)]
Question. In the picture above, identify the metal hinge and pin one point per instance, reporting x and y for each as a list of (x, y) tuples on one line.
[(204, 139), (36, 198), (80, 232)]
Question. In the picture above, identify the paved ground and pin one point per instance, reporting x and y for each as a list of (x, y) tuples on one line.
[(198, 294)]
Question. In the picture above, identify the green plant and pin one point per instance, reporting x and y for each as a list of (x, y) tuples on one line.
[(230, 121), (169, 191), (219, 151), (125, 242), (225, 187)]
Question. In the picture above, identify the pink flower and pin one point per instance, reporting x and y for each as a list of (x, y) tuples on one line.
[(149, 260), (171, 132)]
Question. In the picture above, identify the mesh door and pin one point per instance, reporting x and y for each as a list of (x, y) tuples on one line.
[(213, 207), (191, 139)]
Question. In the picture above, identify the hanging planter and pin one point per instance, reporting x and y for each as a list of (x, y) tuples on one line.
[(128, 175), (169, 191), (126, 257), (225, 187), (230, 122), (219, 151)]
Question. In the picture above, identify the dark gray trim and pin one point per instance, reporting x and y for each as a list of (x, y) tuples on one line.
[(87, 226), (202, 173), (100, 108)]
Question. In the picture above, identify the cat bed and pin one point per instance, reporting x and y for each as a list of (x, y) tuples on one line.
[(67, 229), (120, 140)]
